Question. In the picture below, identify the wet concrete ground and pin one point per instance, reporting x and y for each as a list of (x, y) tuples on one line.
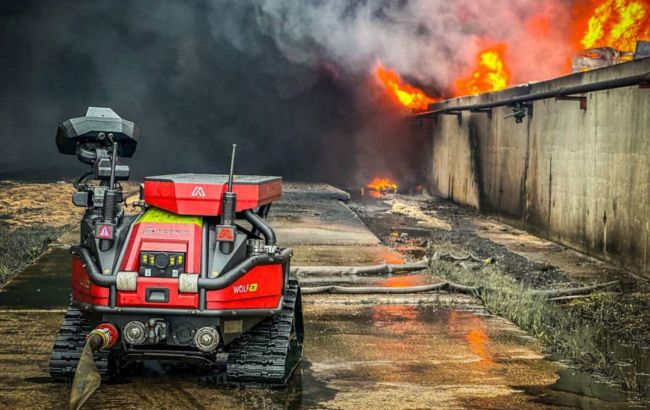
[(606, 332), (322, 230), (408, 351)]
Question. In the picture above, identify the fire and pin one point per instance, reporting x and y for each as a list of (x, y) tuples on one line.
[(490, 74), (382, 185), (618, 24), (401, 92)]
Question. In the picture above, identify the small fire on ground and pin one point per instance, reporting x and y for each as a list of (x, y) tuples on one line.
[(379, 187)]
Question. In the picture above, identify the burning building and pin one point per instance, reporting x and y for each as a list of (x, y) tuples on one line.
[(565, 158)]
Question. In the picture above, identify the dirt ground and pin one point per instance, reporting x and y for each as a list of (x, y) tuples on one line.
[(26, 204), (32, 215)]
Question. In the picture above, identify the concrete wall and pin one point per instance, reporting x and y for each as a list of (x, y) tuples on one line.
[(577, 177)]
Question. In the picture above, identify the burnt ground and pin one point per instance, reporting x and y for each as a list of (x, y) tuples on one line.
[(606, 332)]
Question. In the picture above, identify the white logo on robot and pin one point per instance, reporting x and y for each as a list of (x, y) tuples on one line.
[(153, 231), (198, 191)]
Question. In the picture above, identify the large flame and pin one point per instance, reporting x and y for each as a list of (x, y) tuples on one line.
[(402, 92), (490, 73), (597, 23), (618, 24)]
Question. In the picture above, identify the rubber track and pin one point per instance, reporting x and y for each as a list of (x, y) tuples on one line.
[(265, 355), (68, 345)]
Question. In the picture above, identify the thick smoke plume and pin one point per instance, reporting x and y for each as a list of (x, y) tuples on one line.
[(431, 41), (289, 81)]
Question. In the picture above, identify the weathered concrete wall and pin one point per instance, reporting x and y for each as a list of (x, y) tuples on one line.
[(578, 177)]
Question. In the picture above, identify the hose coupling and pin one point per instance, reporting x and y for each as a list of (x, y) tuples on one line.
[(108, 334)]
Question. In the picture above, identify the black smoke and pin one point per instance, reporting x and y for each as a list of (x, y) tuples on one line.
[(161, 65), (196, 76)]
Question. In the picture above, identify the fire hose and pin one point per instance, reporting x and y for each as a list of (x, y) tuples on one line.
[(470, 255), (557, 294), (448, 286), (86, 378), (384, 267), (381, 290), (359, 270)]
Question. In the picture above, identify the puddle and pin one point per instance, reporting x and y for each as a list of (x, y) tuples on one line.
[(356, 356), (577, 389), (584, 384)]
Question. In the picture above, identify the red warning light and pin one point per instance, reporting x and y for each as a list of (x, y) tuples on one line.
[(104, 231)]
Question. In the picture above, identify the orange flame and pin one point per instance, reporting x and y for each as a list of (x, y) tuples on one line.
[(596, 23), (382, 185), (618, 24), (490, 74), (401, 92)]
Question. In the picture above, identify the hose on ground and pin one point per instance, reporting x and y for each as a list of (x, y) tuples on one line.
[(448, 286), (584, 290), (359, 270), (458, 258), (384, 267), (383, 290)]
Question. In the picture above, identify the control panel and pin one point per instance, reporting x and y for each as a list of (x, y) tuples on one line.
[(161, 264)]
